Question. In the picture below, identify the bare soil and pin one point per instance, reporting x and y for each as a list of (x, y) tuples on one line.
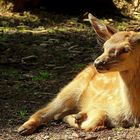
[(39, 54)]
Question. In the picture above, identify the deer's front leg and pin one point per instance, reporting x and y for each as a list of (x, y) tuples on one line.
[(75, 120), (95, 121)]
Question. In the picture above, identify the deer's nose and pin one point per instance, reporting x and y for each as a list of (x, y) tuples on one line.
[(99, 62)]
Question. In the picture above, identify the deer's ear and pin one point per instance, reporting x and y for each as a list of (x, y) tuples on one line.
[(135, 39), (103, 32)]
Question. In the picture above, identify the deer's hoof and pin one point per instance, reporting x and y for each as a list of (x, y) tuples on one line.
[(27, 128), (79, 118)]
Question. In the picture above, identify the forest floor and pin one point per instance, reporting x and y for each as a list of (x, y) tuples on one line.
[(41, 52)]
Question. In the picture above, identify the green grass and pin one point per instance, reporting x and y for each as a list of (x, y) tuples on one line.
[(79, 66), (119, 129), (122, 25), (22, 114), (41, 76), (10, 72)]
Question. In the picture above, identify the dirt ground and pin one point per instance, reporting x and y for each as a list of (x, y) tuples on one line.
[(39, 54)]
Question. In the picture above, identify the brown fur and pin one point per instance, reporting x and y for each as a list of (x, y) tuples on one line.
[(107, 92)]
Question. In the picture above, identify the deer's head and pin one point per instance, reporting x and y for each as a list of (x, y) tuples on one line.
[(121, 49)]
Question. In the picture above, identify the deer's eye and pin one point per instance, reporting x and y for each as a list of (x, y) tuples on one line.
[(112, 51), (124, 50)]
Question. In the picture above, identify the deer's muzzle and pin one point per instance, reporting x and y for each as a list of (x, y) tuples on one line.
[(104, 63)]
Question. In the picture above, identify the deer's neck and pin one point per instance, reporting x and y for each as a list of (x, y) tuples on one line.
[(131, 80)]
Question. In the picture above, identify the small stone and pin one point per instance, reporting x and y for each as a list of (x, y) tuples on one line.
[(46, 137), (30, 58), (43, 45), (109, 138), (90, 137), (110, 19), (75, 135), (82, 135)]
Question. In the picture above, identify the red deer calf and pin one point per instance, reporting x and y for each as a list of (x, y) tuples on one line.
[(104, 93)]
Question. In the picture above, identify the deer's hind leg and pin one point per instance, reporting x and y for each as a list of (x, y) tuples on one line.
[(66, 100), (55, 110)]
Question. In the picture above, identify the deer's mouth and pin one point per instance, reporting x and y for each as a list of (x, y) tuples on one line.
[(106, 66), (101, 68)]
